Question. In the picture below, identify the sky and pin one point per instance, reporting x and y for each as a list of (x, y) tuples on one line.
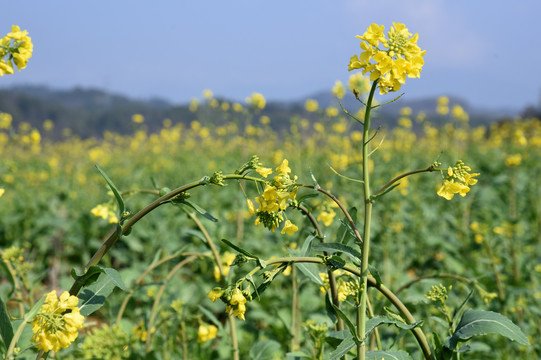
[(486, 52)]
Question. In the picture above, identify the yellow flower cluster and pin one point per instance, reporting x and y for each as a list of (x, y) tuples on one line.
[(257, 101), (234, 298), (400, 56), (56, 324), (275, 199), (206, 332), (105, 212), (227, 260), (16, 47), (460, 173), (346, 286)]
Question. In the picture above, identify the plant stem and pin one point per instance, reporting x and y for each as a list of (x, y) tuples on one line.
[(361, 317)]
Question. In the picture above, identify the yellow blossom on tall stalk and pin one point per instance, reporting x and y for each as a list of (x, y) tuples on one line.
[(389, 59), (56, 324), (16, 47)]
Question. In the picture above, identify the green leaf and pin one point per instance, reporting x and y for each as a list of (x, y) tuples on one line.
[(329, 309), (374, 322), (342, 349), (345, 229), (264, 350), (306, 197), (119, 200), (115, 278), (375, 273), (239, 249), (311, 271), (89, 276), (6, 329), (337, 247), (93, 296), (480, 322), (387, 355), (348, 323), (199, 209)]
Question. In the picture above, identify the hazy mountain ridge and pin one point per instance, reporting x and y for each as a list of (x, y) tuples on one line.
[(90, 112)]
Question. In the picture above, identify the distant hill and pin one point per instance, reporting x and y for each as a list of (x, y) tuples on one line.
[(90, 112)]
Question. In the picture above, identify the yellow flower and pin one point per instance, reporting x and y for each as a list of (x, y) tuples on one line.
[(359, 83), (207, 94), (15, 47), (2, 191), (442, 107), (289, 228), (257, 101), (54, 328), (215, 294), (331, 111), (284, 168), (251, 207), (227, 260), (137, 118), (402, 56), (311, 105), (326, 216), (264, 171), (194, 104), (513, 160), (103, 211), (206, 332), (338, 89), (450, 188)]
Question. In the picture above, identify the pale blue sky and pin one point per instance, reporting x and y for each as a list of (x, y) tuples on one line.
[(487, 52)]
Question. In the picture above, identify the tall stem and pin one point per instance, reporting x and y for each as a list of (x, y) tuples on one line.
[(363, 293)]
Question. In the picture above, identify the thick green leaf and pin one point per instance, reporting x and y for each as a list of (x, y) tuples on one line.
[(6, 330), (480, 322), (93, 296), (342, 349), (337, 247), (264, 350), (387, 355), (119, 200)]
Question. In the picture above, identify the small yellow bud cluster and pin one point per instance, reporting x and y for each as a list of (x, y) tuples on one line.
[(460, 173), (438, 293), (346, 286), (400, 56), (234, 298)]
